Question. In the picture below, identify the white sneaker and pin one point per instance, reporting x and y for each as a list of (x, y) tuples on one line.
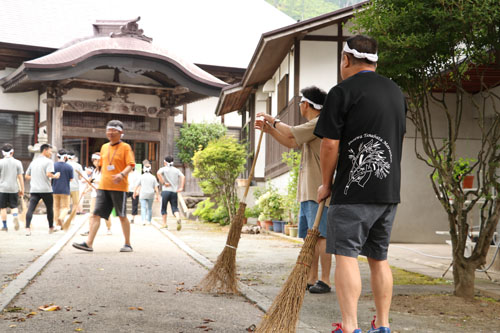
[(126, 248), (109, 232), (16, 223)]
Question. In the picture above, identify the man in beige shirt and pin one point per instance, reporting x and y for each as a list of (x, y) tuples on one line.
[(302, 136)]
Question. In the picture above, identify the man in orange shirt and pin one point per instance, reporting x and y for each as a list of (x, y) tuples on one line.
[(117, 160)]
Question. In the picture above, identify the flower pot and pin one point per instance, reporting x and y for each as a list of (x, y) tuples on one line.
[(294, 231), (278, 226), (286, 229), (242, 182), (268, 225), (468, 182)]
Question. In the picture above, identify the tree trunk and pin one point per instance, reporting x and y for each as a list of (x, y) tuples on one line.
[(463, 276)]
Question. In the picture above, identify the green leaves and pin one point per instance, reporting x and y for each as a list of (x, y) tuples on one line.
[(194, 137), (217, 167)]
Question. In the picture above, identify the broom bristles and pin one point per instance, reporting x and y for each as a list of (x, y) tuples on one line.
[(222, 277), (283, 314)]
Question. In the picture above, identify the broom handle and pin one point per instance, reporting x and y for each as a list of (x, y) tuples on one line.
[(90, 184), (250, 176), (319, 213)]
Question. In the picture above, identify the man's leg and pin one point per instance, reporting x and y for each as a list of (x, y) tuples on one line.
[(64, 207), (164, 202), (34, 199), (48, 200), (348, 288), (381, 283), (126, 229), (3, 213), (95, 222), (325, 260), (57, 208)]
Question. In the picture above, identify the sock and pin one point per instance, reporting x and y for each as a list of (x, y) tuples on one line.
[(4, 224)]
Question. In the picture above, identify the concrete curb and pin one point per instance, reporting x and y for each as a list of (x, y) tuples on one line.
[(23, 279), (260, 300)]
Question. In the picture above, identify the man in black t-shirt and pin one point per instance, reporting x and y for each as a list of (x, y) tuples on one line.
[(362, 126)]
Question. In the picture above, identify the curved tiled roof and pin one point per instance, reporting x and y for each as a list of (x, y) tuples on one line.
[(85, 49)]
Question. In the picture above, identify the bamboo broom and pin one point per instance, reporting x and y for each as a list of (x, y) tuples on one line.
[(283, 314), (73, 212), (222, 277)]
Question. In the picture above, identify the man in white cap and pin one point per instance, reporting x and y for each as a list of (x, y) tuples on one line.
[(117, 160), (11, 185), (362, 126)]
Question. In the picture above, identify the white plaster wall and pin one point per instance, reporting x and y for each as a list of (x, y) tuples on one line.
[(318, 64), (331, 30), (27, 101), (420, 214), (83, 94), (204, 111), (281, 182), (146, 100)]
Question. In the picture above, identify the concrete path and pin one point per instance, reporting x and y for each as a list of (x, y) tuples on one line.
[(152, 289)]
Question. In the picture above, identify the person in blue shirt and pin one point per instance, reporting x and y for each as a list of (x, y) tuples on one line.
[(61, 187)]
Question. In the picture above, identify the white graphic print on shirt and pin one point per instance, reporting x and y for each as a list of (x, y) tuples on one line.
[(369, 159)]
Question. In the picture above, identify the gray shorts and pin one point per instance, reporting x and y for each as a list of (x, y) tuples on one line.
[(360, 229)]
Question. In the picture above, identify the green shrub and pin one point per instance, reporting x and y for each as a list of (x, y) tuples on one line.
[(194, 137), (205, 211)]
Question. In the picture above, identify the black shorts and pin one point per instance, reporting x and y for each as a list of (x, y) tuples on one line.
[(166, 197), (360, 229), (8, 200), (107, 200)]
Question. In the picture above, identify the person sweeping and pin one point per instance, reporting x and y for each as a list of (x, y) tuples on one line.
[(302, 136)]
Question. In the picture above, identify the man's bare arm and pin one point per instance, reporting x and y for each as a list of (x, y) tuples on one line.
[(328, 160)]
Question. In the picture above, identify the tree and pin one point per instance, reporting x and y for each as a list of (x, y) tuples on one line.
[(432, 49), (217, 167), (194, 137)]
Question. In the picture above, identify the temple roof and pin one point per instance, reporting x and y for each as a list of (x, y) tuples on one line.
[(129, 51)]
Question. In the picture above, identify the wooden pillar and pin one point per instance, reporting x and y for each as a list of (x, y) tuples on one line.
[(163, 150), (170, 135), (57, 127)]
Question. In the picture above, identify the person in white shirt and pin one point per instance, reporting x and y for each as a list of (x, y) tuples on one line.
[(147, 189), (172, 180), (11, 185)]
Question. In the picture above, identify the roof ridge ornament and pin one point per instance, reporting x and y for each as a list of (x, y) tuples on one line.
[(131, 29)]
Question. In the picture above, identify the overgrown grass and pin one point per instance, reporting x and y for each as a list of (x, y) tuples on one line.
[(404, 277)]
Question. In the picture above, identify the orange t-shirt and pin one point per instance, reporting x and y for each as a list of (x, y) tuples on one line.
[(117, 156)]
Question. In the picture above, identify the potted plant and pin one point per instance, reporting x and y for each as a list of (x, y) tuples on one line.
[(291, 205), (270, 206), (252, 214)]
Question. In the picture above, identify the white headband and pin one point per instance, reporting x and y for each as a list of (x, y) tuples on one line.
[(118, 128), (314, 105), (170, 163), (62, 156), (370, 56), (147, 168), (96, 157), (7, 153)]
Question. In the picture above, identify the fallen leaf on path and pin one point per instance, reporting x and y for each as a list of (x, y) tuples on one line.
[(201, 326), (78, 329), (14, 309), (100, 269), (49, 308), (161, 291), (77, 322), (32, 313), (132, 308), (140, 308), (206, 321), (12, 326)]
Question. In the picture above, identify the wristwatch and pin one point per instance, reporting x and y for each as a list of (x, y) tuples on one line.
[(276, 120)]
